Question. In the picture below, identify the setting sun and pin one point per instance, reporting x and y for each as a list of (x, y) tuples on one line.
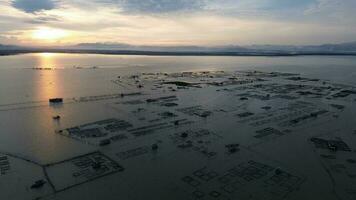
[(49, 34)]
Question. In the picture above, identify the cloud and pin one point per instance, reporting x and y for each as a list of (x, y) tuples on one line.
[(42, 20), (33, 6), (333, 11), (158, 6), (182, 22), (321, 6), (262, 9)]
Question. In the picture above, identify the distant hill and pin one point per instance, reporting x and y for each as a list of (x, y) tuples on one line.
[(340, 47), (230, 50), (8, 47), (120, 46), (327, 48), (336, 48)]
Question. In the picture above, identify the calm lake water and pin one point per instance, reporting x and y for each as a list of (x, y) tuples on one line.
[(28, 130), (19, 83)]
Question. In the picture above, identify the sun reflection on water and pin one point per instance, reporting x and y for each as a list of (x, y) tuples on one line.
[(48, 85), (46, 60)]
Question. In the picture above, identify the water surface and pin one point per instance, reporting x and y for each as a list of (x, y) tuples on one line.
[(19, 83)]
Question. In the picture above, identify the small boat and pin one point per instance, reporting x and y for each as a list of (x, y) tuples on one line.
[(56, 117), (38, 184), (105, 142), (56, 100), (96, 165)]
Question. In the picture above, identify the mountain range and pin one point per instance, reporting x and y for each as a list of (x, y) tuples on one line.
[(121, 48)]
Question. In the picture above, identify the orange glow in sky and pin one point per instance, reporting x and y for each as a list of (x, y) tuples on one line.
[(49, 34)]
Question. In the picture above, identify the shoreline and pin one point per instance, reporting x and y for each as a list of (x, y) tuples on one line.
[(162, 53)]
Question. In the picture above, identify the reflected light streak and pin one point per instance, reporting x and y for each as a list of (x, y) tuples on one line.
[(48, 81)]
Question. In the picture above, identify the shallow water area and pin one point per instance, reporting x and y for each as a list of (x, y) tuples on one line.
[(177, 127)]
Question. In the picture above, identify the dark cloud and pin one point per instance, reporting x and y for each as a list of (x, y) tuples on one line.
[(42, 20), (158, 6), (33, 6)]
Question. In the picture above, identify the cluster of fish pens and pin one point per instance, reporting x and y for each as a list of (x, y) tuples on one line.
[(172, 112)]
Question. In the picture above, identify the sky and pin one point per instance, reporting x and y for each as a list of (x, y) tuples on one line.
[(177, 22)]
